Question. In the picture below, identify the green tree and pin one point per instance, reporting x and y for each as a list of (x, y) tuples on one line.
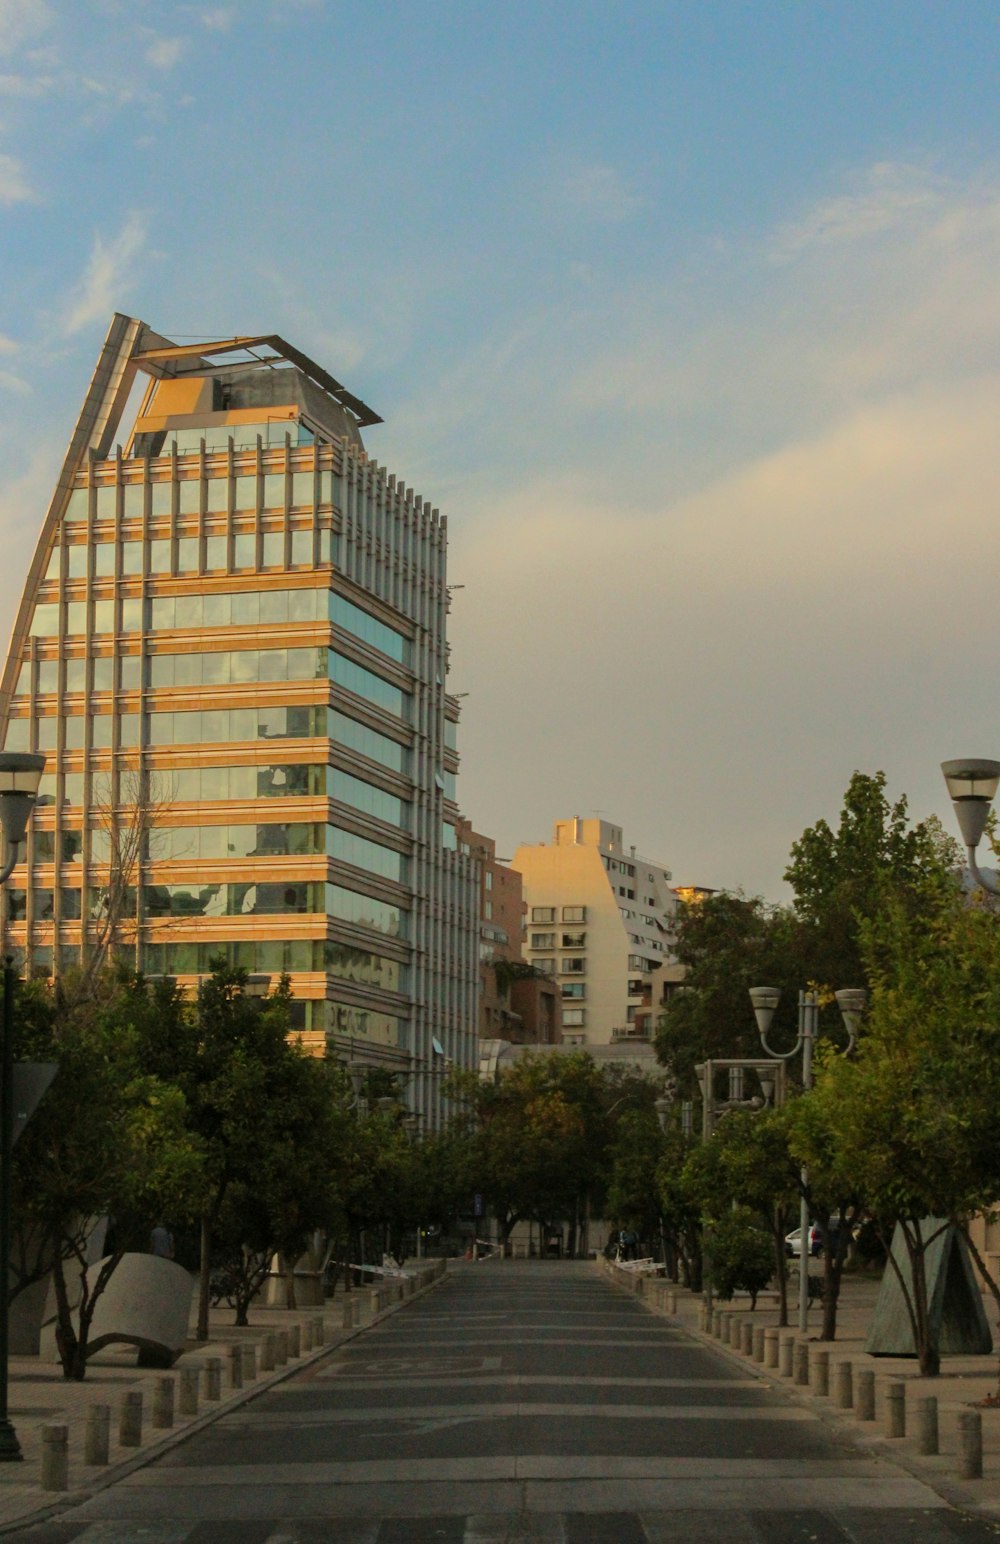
[(741, 1255)]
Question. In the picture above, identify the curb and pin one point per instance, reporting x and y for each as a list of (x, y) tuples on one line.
[(110, 1474)]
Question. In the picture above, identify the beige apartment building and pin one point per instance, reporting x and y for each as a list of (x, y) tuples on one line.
[(600, 920)]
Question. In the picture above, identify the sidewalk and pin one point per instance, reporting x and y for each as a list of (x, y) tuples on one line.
[(40, 1396), (964, 1380)]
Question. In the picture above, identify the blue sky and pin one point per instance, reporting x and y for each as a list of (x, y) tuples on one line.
[(685, 314)]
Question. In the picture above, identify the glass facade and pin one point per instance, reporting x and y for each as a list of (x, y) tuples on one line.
[(212, 634)]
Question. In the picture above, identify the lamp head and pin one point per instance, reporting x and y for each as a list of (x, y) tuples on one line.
[(972, 785), (852, 1002), (663, 1107), (765, 999), (20, 775), (767, 1083)]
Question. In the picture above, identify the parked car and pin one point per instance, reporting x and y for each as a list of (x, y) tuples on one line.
[(793, 1245)]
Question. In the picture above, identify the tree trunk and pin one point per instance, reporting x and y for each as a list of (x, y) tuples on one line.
[(65, 1329), (204, 1276), (781, 1276)]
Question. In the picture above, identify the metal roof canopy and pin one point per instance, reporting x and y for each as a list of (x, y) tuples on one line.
[(178, 359)]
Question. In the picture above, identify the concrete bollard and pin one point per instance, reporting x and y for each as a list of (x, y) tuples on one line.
[(163, 1403), (213, 1377), (786, 1354), (864, 1394), (267, 1353), (703, 1319), (819, 1370), (802, 1363), (895, 1409), (235, 1367), (374, 1300), (294, 1340), (843, 1385), (927, 1425), (281, 1349), (55, 1457), (249, 1362), (307, 1336), (672, 1302), (97, 1435), (130, 1420), (746, 1337), (771, 1347), (727, 1330), (970, 1445), (187, 1391), (758, 1342), (319, 1330)]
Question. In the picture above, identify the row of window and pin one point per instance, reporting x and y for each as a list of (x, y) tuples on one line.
[(241, 436), (193, 496), (565, 967), (245, 665), (195, 554), (548, 941), (272, 956), (548, 914)]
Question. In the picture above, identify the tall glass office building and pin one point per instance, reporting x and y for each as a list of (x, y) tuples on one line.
[(231, 649)]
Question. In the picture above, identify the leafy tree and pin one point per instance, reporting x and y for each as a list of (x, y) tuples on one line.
[(741, 1255), (633, 1197), (109, 1138), (756, 1171)]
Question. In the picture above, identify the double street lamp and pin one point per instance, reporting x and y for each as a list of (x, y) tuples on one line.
[(20, 775), (973, 784), (851, 1002)]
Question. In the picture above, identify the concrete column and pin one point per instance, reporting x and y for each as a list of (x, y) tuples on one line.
[(970, 1445), (758, 1342), (307, 1336), (672, 1302), (819, 1370), (927, 1425), (294, 1340), (130, 1419), (249, 1362), (801, 1363), (843, 1385), (97, 1437), (864, 1394), (319, 1330), (213, 1377), (895, 1409), (267, 1353), (163, 1403), (55, 1457), (187, 1391), (786, 1353), (281, 1348), (770, 1347), (746, 1337), (727, 1330)]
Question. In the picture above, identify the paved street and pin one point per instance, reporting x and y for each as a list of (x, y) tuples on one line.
[(518, 1402)]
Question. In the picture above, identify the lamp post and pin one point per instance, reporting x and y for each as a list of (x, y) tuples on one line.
[(851, 1001), (20, 775), (973, 784)]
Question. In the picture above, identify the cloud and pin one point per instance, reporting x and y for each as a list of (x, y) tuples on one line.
[(164, 53), (599, 192), (219, 18), (26, 86), (22, 22), (8, 345), (107, 276), (884, 198), (14, 188)]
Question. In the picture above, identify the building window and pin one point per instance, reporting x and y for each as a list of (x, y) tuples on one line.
[(489, 879), (574, 1018), (572, 989), (574, 967), (574, 914), (547, 967), (543, 940), (543, 914), (574, 940)]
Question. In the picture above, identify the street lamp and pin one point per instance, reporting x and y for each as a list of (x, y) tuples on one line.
[(20, 775), (973, 784), (851, 1002)]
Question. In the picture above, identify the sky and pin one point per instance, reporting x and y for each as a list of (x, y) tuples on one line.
[(687, 316)]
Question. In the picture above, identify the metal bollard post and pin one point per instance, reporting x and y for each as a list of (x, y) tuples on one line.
[(163, 1403), (249, 1362), (802, 1363), (927, 1425), (130, 1420), (319, 1331), (864, 1394), (294, 1340), (746, 1337), (187, 1391), (819, 1370), (843, 1385), (55, 1457), (895, 1409), (267, 1353), (281, 1349), (307, 1336), (786, 1354), (97, 1437), (213, 1377), (235, 1367), (758, 1342), (970, 1440)]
